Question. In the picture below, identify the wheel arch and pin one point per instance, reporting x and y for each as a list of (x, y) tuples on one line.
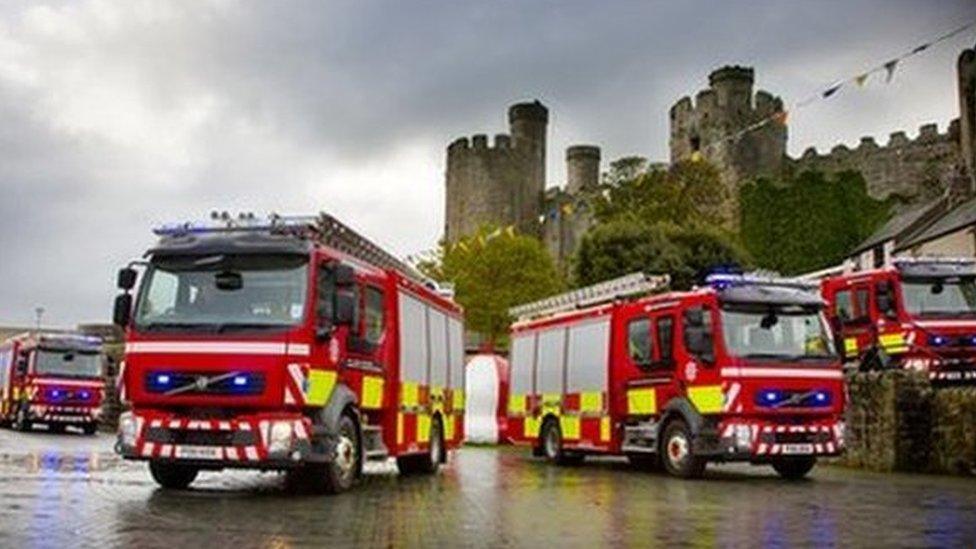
[(681, 408)]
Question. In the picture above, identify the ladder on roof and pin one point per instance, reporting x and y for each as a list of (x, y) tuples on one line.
[(323, 228), (602, 292)]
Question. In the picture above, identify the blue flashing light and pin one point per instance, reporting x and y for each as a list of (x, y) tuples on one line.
[(162, 379), (771, 396), (820, 397), (84, 395), (938, 340), (972, 340), (240, 381)]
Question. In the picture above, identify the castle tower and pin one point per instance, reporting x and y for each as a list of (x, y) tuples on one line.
[(582, 168), (500, 184), (701, 129), (966, 68)]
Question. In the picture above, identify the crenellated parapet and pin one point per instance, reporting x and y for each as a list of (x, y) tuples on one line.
[(909, 167)]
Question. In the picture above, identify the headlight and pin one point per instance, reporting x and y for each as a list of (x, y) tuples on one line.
[(743, 437), (128, 429), (280, 437)]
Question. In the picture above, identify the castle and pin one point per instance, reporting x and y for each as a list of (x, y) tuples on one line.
[(505, 184)]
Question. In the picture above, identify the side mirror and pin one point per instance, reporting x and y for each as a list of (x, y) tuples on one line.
[(21, 367), (699, 343), (126, 279), (123, 310), (345, 308)]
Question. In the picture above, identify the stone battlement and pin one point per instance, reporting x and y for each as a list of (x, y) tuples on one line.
[(479, 142), (928, 134)]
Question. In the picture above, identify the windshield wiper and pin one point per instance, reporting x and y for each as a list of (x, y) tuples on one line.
[(226, 327)]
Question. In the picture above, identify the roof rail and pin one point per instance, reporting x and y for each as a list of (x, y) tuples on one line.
[(602, 292), (932, 259)]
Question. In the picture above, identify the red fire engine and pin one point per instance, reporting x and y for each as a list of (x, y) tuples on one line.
[(293, 344), (743, 369), (52, 379), (918, 313)]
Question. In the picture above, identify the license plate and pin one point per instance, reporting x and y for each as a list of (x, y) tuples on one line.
[(198, 452), (794, 449)]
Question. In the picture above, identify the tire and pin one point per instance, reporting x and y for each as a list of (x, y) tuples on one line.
[(21, 423), (794, 468), (428, 462), (551, 442), (172, 476), (90, 429), (676, 451), (58, 428), (341, 472)]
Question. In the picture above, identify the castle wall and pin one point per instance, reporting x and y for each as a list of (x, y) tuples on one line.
[(500, 184), (701, 127), (966, 74), (911, 169)]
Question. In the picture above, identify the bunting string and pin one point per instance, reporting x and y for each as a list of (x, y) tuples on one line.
[(887, 68)]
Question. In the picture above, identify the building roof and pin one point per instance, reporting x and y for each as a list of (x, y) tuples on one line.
[(957, 218), (899, 227)]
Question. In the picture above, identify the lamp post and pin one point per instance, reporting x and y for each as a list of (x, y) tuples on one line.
[(38, 314)]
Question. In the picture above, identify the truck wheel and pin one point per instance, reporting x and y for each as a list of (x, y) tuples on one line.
[(552, 445), (341, 472), (21, 423), (90, 428), (172, 476), (426, 463), (794, 468), (676, 451), (58, 428)]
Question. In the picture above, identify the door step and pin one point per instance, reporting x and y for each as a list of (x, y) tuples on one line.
[(640, 438), (373, 447)]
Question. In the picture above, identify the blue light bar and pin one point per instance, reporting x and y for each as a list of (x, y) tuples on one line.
[(240, 381), (222, 223)]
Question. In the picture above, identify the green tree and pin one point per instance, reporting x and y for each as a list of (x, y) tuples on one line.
[(687, 192), (811, 221), (620, 247), (492, 271)]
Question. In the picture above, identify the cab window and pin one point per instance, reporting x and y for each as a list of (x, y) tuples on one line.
[(842, 306), (665, 340), (639, 342), (373, 316), (863, 297)]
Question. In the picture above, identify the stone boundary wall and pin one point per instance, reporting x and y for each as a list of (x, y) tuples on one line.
[(896, 421)]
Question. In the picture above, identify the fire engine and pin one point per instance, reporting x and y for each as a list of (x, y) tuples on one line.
[(292, 344), (742, 368), (53, 379), (917, 313)]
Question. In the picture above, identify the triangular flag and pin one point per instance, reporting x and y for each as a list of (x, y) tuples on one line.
[(568, 208), (832, 90), (921, 48), (696, 156), (510, 231), (861, 79), (889, 68), (780, 117), (462, 245)]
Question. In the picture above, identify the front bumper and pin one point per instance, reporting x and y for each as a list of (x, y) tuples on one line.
[(759, 440), (251, 441), (69, 415)]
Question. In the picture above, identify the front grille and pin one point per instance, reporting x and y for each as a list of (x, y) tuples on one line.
[(205, 383), (201, 438)]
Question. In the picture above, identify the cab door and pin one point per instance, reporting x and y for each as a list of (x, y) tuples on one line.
[(853, 314), (649, 360)]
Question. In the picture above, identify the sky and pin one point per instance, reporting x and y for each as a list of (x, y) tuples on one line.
[(117, 116)]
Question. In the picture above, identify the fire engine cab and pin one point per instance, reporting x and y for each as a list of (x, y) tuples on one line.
[(741, 369), (918, 314), (53, 379), (293, 344)]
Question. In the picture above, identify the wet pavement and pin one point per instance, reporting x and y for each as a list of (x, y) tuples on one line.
[(70, 490)]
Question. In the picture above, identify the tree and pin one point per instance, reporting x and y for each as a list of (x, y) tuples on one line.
[(808, 222), (620, 247), (687, 192), (492, 271)]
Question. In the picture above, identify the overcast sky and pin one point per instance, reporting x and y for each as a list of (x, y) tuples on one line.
[(115, 116)]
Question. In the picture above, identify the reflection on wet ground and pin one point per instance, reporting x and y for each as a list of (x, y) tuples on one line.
[(72, 491)]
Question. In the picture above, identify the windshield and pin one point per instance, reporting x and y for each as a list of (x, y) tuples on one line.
[(940, 296), (780, 332), (68, 363), (223, 292)]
